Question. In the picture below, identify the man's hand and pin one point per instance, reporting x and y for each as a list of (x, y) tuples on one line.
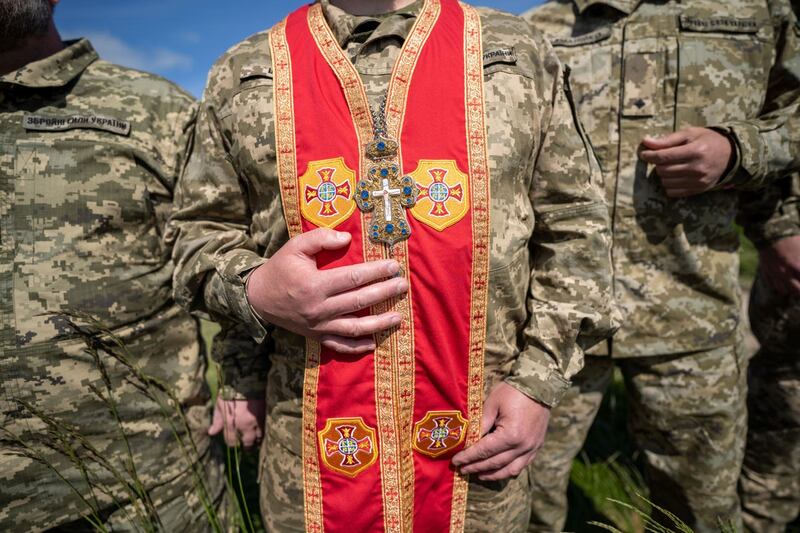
[(780, 266), (518, 426), (241, 421), (289, 291), (690, 161)]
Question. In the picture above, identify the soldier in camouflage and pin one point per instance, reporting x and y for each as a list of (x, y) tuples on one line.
[(769, 486), (89, 156), (549, 279), (718, 82)]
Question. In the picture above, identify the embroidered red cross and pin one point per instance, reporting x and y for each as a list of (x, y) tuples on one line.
[(327, 191)]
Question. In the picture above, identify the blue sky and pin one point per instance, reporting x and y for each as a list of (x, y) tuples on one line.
[(181, 39)]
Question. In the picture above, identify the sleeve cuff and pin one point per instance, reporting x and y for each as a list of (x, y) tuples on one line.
[(765, 235), (750, 168), (231, 287), (537, 380)]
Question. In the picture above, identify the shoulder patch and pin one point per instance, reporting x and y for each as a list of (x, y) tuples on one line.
[(255, 70), (499, 55), (590, 38), (723, 24), (71, 122)]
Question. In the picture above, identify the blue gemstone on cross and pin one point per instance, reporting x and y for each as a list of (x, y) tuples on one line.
[(384, 172), (407, 190), (389, 228), (365, 195), (381, 146)]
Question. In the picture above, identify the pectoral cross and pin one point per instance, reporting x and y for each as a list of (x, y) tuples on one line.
[(386, 194)]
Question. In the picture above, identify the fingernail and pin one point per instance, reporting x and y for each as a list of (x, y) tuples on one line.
[(393, 268), (396, 320), (342, 236), (402, 287)]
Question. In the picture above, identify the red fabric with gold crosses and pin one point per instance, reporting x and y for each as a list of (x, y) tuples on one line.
[(379, 430)]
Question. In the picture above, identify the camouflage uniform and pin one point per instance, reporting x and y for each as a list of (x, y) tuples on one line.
[(770, 483), (89, 156), (650, 68), (545, 200)]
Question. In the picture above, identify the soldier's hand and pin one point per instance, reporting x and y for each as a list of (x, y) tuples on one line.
[(513, 428), (240, 421), (289, 291), (690, 161), (780, 266)]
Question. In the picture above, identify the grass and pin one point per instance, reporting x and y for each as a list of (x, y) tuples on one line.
[(606, 491)]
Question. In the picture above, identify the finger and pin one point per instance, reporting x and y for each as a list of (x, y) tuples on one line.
[(348, 346), (667, 141), (231, 435), (355, 327), (670, 156), (339, 280), (364, 298), (248, 438), (794, 287), (315, 241), (216, 422), (682, 172), (489, 446), (492, 464), (513, 469), (490, 411)]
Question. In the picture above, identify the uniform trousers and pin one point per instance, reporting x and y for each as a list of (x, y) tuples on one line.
[(687, 416)]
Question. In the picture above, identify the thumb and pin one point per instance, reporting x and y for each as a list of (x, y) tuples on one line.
[(315, 241), (490, 412), (667, 141), (216, 422)]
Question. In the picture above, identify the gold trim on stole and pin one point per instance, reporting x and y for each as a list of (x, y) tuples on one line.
[(403, 343), (287, 173), (481, 195)]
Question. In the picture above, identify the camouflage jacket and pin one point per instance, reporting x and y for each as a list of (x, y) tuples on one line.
[(550, 276), (772, 214), (89, 156), (649, 68)]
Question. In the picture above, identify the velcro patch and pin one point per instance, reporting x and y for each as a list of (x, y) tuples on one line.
[(71, 122), (725, 24), (582, 40), (499, 55)]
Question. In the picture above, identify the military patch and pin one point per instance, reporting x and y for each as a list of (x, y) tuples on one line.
[(71, 122), (439, 432), (582, 40), (500, 55), (347, 446), (722, 24), (327, 193), (444, 193)]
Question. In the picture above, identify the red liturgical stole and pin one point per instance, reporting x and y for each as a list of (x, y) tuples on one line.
[(379, 430)]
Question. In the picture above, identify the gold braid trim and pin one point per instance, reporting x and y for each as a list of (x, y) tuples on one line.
[(403, 339), (479, 180), (287, 174)]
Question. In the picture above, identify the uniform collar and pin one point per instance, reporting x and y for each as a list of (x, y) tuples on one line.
[(626, 6), (56, 70), (347, 27)]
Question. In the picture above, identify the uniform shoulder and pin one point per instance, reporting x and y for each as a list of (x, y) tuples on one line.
[(251, 56), (500, 28), (132, 83), (554, 17)]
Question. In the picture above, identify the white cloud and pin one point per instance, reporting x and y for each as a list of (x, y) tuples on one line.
[(117, 51)]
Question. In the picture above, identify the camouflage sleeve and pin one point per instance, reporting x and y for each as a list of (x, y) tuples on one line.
[(570, 303), (769, 146), (214, 251), (771, 214)]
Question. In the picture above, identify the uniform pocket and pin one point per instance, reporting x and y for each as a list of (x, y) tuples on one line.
[(723, 67)]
